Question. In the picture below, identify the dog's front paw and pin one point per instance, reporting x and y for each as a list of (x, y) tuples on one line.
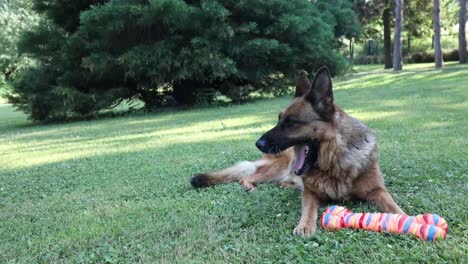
[(287, 184), (247, 186), (304, 230)]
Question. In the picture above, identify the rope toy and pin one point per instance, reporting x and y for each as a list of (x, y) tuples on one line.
[(429, 227)]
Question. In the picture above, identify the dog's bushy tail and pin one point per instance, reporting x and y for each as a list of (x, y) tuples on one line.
[(231, 174)]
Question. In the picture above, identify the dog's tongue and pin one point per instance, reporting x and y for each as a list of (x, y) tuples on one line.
[(300, 159)]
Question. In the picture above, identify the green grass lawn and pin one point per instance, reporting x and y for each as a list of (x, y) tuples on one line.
[(117, 190)]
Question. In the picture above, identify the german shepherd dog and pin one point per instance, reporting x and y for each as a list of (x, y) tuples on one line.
[(318, 148)]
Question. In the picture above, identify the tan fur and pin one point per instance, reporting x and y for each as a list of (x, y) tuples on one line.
[(270, 168), (348, 167), (347, 160)]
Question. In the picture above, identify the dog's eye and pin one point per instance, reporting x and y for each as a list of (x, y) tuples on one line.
[(288, 123)]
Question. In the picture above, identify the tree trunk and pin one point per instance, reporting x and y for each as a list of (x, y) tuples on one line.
[(351, 51), (439, 60), (369, 50), (462, 53), (408, 49), (397, 45), (387, 38)]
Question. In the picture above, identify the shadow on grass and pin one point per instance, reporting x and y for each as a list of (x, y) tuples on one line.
[(381, 106)]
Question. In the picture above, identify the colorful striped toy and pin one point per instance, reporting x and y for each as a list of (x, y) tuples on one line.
[(429, 227)]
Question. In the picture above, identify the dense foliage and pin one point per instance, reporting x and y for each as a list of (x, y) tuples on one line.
[(15, 17), (92, 54)]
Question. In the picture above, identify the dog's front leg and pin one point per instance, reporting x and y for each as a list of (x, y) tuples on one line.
[(384, 201), (308, 222)]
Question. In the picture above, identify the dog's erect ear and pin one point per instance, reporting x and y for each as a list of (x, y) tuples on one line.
[(302, 84), (321, 94)]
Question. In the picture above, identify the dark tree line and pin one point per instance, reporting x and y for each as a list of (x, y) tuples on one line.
[(438, 54), (92, 54), (415, 18), (85, 56)]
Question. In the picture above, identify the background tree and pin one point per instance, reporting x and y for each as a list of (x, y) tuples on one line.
[(368, 14), (437, 38), (341, 16), (417, 26), (386, 19), (418, 22), (462, 53), (397, 46), (92, 54), (417, 32), (15, 17)]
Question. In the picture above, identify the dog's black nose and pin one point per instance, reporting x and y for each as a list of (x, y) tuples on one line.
[(261, 144)]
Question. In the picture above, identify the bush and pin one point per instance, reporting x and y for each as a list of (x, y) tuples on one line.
[(428, 56), (36, 92), (337, 64), (97, 52), (3, 85), (451, 55), (369, 59), (15, 17)]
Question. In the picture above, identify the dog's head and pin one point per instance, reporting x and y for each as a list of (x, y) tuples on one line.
[(304, 123)]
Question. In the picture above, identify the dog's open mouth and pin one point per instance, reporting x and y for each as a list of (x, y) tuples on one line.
[(301, 165)]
